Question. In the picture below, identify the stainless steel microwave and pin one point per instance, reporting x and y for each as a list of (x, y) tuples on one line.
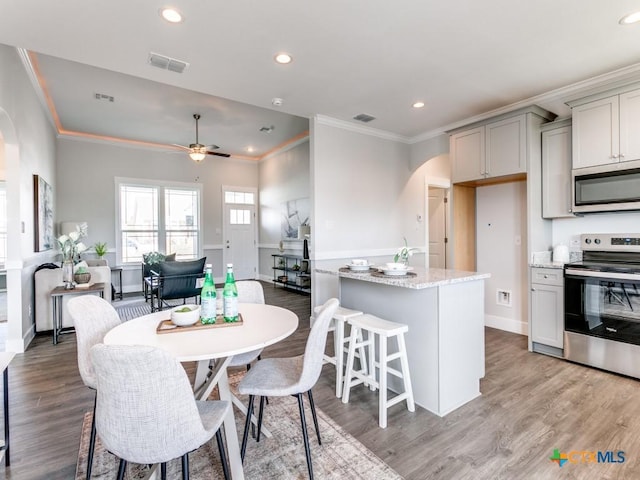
[(606, 188)]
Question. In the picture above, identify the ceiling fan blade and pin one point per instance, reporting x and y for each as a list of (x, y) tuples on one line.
[(219, 154), (180, 146)]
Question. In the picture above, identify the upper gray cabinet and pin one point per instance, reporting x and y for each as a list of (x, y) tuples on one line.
[(494, 148), (606, 129), (556, 169)]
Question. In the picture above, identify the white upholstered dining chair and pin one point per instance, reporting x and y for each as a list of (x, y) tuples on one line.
[(146, 412), (92, 317), (278, 377)]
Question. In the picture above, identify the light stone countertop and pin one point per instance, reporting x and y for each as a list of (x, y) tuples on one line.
[(557, 265), (424, 278)]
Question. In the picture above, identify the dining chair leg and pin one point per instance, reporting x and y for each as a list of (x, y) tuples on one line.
[(305, 437), (121, 469), (185, 466), (163, 471), (223, 455), (315, 417), (243, 449), (262, 399), (92, 441)]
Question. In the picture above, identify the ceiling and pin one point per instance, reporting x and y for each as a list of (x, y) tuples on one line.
[(461, 57)]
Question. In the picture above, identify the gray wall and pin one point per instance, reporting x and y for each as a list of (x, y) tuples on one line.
[(282, 177), (86, 173), (28, 143)]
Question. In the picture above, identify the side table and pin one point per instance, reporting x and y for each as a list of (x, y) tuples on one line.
[(56, 297), (5, 360), (118, 270)]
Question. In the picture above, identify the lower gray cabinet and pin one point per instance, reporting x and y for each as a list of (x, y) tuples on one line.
[(546, 327)]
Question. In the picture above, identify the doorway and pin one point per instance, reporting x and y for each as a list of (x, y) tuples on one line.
[(436, 226), (240, 232)]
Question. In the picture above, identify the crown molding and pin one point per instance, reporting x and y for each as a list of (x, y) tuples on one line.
[(288, 145), (374, 132)]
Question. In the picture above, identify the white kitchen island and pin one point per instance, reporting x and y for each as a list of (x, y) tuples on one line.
[(444, 310)]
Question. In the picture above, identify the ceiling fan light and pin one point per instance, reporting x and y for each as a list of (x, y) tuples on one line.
[(197, 156), (630, 18), (171, 15)]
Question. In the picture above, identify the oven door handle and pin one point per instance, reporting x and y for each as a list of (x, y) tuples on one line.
[(590, 273)]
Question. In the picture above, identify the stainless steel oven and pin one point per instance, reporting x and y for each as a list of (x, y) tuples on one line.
[(602, 304)]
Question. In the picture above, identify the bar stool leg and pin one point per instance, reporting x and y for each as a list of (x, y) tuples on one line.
[(371, 351), (338, 340), (382, 394), (406, 377), (349, 366)]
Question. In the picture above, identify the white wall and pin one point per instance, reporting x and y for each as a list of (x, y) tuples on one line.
[(501, 218), (282, 177), (86, 174), (566, 229), (29, 148)]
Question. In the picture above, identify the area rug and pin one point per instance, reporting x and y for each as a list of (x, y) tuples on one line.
[(138, 308), (340, 457)]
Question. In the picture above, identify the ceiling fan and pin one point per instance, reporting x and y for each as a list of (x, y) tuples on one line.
[(197, 151)]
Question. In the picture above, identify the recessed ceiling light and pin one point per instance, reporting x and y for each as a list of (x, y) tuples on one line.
[(283, 58), (249, 149), (418, 105), (630, 18), (171, 15)]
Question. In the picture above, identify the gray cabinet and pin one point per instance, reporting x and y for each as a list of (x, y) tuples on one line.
[(493, 148), (606, 130), (546, 321), (556, 169), (496, 149)]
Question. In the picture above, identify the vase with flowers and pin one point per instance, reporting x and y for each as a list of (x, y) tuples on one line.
[(404, 254), (71, 247)]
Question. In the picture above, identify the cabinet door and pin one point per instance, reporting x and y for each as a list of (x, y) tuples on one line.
[(556, 173), (630, 126), (467, 151), (596, 133), (506, 147), (547, 307)]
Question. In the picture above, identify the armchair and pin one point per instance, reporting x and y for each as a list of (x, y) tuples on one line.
[(150, 260), (175, 280)]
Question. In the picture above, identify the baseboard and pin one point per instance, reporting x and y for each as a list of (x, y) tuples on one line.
[(506, 324), (20, 346)]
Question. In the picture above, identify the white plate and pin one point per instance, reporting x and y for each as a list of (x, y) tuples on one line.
[(359, 268), (394, 272)]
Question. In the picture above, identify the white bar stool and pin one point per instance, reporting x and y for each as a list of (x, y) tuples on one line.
[(384, 329), (340, 317)]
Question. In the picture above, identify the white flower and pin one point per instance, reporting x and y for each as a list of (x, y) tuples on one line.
[(74, 236), (62, 239), (80, 247)]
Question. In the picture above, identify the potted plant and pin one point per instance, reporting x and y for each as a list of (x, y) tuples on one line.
[(81, 275), (100, 249)]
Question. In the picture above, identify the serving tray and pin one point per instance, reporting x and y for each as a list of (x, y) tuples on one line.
[(167, 326), (392, 277)]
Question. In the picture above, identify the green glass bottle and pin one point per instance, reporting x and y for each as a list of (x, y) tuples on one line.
[(208, 297), (230, 296)]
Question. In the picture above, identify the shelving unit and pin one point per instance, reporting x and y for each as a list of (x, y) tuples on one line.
[(291, 272)]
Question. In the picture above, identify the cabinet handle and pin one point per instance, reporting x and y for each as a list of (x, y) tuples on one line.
[(546, 276), (533, 289), (621, 155), (614, 156)]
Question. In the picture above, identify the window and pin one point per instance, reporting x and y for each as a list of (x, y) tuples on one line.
[(243, 198), (158, 217)]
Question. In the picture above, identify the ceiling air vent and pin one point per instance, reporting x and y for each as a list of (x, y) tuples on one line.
[(167, 63), (363, 117)]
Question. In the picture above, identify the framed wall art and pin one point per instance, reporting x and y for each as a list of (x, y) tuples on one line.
[(42, 214)]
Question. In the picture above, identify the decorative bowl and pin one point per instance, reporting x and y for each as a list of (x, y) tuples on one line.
[(396, 266), (189, 316), (81, 278)]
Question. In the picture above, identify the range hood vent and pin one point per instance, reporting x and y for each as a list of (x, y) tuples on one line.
[(167, 63)]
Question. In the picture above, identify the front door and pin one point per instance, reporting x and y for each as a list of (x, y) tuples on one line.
[(240, 238), (437, 227)]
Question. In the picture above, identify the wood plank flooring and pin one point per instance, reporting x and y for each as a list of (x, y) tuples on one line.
[(531, 404)]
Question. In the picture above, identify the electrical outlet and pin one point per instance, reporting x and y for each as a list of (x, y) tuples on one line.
[(503, 297), (29, 311)]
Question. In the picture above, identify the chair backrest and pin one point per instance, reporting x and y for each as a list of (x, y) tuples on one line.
[(145, 408), (153, 258), (92, 317), (316, 343), (250, 291), (179, 279)]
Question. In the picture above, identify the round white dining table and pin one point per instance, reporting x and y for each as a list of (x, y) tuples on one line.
[(262, 325)]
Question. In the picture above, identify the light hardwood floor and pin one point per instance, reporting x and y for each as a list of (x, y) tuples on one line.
[(531, 405)]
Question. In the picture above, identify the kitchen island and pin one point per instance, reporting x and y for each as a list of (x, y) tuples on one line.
[(444, 310)]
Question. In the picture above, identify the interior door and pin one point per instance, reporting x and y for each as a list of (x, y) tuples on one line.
[(437, 228), (240, 244)]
